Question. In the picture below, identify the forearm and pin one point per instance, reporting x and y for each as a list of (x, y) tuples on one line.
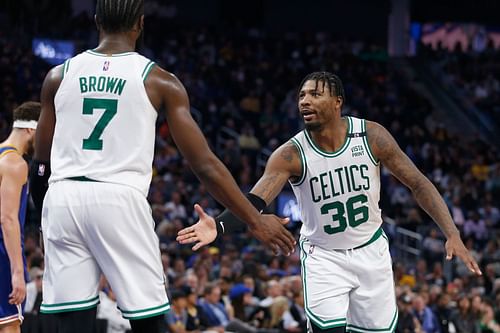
[(221, 185), (12, 239), (428, 197)]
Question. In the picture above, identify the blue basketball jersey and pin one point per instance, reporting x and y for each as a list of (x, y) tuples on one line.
[(9, 312)]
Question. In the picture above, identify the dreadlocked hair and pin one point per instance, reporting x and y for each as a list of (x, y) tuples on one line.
[(334, 83), (118, 15)]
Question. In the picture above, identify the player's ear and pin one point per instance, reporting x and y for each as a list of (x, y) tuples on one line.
[(141, 23), (339, 102), (97, 24)]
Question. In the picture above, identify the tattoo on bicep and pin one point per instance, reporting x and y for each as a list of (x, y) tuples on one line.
[(265, 187), (288, 153)]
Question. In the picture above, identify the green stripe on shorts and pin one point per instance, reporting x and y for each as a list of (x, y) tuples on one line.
[(69, 306), (315, 319), (146, 313)]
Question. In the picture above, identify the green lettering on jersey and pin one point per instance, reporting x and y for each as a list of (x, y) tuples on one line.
[(101, 82), (83, 85), (107, 84), (314, 198), (362, 168), (119, 86), (92, 83), (323, 186), (357, 213), (110, 84), (354, 186)]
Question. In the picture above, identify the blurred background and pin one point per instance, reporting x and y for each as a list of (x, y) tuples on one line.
[(427, 70)]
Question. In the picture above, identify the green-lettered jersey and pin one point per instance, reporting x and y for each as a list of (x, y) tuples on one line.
[(105, 122), (338, 192)]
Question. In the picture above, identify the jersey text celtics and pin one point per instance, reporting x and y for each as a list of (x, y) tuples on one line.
[(338, 192)]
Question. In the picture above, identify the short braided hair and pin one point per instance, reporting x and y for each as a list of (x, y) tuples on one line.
[(118, 15), (334, 83)]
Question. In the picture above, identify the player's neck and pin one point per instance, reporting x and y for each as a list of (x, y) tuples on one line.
[(17, 140), (115, 43), (332, 136)]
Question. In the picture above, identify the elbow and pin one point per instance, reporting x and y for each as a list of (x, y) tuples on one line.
[(422, 186), (207, 168), (7, 221)]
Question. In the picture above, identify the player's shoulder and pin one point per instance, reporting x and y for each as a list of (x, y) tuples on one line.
[(375, 130), (287, 152), (164, 79), (13, 165)]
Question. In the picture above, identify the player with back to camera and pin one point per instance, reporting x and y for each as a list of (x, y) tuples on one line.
[(96, 136), (333, 166), (13, 201)]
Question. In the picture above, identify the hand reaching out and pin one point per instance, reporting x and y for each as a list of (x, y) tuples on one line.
[(202, 232), (270, 231)]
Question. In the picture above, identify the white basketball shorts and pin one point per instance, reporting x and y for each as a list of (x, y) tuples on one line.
[(91, 228), (352, 288)]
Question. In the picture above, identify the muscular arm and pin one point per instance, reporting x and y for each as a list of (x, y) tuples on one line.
[(47, 121), (284, 163), (14, 175), (165, 89), (399, 164)]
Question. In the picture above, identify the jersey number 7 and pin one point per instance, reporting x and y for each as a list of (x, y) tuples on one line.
[(94, 141)]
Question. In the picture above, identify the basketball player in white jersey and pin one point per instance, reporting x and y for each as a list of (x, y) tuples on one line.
[(334, 169), (96, 135)]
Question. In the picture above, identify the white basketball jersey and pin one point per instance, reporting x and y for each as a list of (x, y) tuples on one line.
[(105, 122), (338, 193)]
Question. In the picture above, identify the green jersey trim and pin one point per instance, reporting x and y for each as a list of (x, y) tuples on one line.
[(110, 55), (65, 67), (375, 236), (147, 69), (339, 322), (82, 179), (324, 153), (303, 163), (367, 146), (390, 329)]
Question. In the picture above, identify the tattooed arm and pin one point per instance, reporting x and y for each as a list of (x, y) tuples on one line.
[(386, 149), (283, 164)]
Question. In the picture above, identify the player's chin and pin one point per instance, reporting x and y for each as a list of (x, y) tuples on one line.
[(312, 125)]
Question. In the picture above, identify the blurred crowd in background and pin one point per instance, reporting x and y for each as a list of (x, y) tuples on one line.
[(242, 84)]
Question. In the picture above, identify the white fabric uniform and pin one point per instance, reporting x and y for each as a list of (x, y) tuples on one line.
[(95, 216), (346, 264)]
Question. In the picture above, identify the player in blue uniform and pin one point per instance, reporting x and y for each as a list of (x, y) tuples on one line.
[(13, 199)]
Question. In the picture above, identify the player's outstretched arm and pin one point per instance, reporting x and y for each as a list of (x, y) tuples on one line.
[(40, 168), (425, 193), (14, 175), (283, 164), (166, 89)]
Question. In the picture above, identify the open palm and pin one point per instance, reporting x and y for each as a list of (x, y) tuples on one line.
[(202, 232)]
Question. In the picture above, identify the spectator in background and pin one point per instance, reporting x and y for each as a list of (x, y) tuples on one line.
[(273, 290), (425, 316), (215, 315), (175, 208), (297, 308), (177, 317), (433, 247), (407, 322), (443, 311), (476, 227), (462, 317), (488, 324)]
